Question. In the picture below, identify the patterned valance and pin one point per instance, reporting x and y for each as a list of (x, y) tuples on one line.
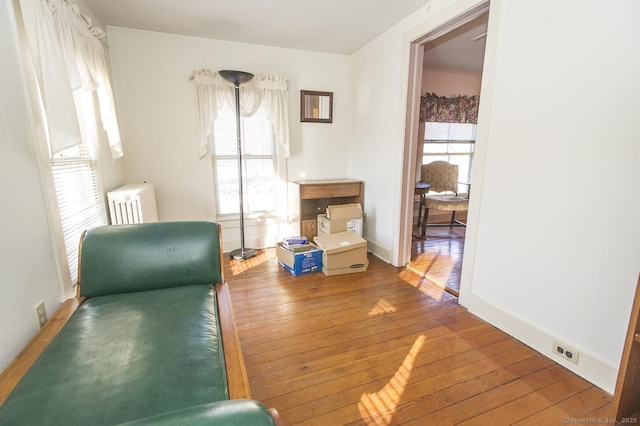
[(462, 109)]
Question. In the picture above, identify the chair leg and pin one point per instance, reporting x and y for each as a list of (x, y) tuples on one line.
[(424, 221), (453, 217)]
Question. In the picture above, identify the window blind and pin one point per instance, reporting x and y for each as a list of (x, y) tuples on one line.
[(77, 186), (80, 203), (450, 131), (258, 162)]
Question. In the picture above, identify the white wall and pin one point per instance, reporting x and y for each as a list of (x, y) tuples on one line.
[(375, 149), (450, 83), (561, 133), (27, 265), (379, 93), (158, 116), (556, 131)]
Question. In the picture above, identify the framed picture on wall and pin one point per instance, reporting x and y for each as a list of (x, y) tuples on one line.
[(316, 107)]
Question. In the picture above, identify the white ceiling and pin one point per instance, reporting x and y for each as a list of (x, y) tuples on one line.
[(334, 26)]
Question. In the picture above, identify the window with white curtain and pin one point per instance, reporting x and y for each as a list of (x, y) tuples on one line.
[(263, 103), (77, 185), (258, 162), (70, 81)]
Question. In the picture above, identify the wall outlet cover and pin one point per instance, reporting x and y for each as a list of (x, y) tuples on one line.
[(41, 314), (564, 351)]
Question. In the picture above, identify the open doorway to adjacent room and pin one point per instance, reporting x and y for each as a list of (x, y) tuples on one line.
[(444, 90)]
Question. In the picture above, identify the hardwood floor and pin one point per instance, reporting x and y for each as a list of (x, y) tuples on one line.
[(438, 257), (389, 347)]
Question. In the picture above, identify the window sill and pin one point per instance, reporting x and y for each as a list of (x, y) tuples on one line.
[(252, 219)]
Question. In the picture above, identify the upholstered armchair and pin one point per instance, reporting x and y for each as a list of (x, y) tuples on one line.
[(443, 178)]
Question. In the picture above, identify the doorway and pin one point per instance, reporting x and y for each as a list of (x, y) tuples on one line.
[(446, 62)]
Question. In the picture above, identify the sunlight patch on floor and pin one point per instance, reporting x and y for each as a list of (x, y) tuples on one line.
[(378, 408), (429, 289), (240, 266), (382, 307), (435, 267)]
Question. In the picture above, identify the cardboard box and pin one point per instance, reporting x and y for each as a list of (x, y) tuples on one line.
[(340, 218), (299, 263), (342, 253)]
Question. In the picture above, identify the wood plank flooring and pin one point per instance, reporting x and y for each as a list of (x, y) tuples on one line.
[(387, 347), (438, 257)]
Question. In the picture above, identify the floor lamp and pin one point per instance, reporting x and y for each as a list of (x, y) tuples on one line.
[(237, 77)]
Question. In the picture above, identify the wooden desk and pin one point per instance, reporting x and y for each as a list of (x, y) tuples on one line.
[(313, 197)]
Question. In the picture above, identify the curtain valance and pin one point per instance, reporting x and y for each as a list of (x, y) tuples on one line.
[(461, 109), (213, 91), (67, 56)]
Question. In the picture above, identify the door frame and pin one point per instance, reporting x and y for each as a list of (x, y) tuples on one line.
[(416, 57)]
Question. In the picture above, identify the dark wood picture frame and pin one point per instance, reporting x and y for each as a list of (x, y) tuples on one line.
[(316, 107)]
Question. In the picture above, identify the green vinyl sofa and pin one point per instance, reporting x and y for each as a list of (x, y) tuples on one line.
[(151, 339)]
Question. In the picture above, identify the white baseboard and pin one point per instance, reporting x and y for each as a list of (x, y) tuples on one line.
[(379, 251), (589, 366)]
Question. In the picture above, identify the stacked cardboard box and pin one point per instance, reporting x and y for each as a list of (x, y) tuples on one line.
[(342, 253), (339, 218)]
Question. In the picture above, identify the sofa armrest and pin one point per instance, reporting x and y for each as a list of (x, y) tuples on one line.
[(241, 412)]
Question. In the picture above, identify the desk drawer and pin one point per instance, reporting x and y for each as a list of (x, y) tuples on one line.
[(330, 190)]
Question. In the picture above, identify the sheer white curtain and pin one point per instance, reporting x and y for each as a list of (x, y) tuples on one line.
[(213, 91), (67, 55)]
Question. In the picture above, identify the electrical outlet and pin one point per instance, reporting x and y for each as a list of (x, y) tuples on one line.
[(566, 352), (41, 314)]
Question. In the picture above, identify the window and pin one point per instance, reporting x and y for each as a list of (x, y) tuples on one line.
[(258, 162), (451, 142), (70, 79), (77, 187), (266, 141)]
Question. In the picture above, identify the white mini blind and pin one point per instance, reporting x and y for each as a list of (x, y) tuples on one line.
[(79, 195), (80, 203), (258, 162), (450, 131)]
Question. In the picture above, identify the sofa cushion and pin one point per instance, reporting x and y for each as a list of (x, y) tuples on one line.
[(146, 256), (125, 357)]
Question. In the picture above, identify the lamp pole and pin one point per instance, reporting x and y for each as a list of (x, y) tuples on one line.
[(238, 77)]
